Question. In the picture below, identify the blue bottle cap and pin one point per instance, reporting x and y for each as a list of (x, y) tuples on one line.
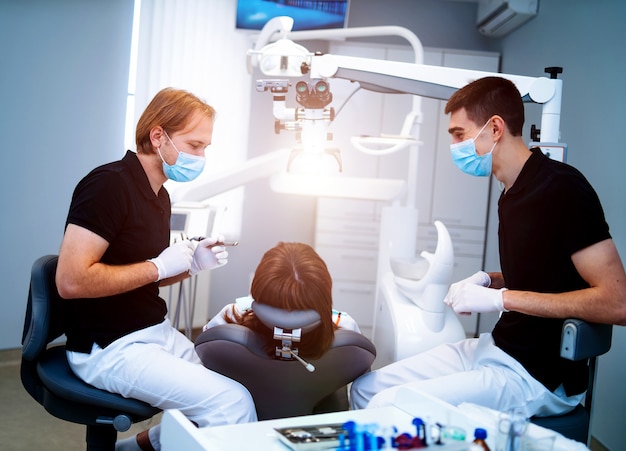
[(480, 433)]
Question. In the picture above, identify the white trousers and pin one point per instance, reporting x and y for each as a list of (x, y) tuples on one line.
[(159, 365), (473, 370)]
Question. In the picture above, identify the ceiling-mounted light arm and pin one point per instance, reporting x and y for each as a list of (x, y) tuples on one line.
[(439, 82), (362, 32), (265, 53), (276, 55), (410, 128), (411, 78), (276, 28), (367, 32), (285, 58), (435, 82)]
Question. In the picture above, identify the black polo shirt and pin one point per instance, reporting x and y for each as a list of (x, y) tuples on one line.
[(116, 202), (549, 213)]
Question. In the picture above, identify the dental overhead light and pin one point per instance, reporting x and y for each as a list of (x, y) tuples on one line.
[(274, 54), (283, 58), (310, 120)]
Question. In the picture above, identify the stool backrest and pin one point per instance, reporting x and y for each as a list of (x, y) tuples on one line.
[(43, 322)]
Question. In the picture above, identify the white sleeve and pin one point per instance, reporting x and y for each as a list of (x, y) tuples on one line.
[(220, 318), (241, 305)]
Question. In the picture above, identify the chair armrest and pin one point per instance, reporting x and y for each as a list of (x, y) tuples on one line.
[(581, 340)]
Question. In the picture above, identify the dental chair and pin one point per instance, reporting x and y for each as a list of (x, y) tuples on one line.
[(284, 385), (48, 378), (580, 340)]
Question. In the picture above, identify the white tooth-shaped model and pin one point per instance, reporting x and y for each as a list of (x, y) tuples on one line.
[(410, 315)]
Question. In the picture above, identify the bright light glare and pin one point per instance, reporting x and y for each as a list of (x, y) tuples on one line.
[(313, 163)]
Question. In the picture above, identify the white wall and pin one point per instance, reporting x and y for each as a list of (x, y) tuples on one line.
[(63, 84), (437, 23)]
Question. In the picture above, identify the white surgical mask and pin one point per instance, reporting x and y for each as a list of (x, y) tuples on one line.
[(467, 160), (186, 167)]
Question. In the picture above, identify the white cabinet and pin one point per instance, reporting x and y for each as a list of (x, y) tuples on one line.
[(346, 237), (347, 230)]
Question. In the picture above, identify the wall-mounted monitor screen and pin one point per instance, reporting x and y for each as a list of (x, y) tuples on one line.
[(306, 14)]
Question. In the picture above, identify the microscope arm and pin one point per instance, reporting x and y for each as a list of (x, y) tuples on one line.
[(438, 82), (395, 77)]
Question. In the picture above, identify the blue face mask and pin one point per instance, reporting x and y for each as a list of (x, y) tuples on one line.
[(467, 160), (186, 167)]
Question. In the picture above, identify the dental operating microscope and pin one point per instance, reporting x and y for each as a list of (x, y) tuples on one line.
[(410, 315)]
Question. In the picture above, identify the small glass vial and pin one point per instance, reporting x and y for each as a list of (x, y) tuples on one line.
[(480, 435)]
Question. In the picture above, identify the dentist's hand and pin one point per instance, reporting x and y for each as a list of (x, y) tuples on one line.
[(472, 295), (478, 278), (208, 256), (174, 260), (466, 298)]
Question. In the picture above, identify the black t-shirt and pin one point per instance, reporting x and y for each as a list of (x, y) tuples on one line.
[(549, 213), (116, 202)]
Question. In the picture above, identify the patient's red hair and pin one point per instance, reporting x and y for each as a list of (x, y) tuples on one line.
[(292, 276)]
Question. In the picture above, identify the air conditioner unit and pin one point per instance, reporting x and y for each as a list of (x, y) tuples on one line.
[(499, 17)]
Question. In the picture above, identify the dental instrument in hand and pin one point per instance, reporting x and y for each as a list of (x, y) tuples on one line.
[(217, 243)]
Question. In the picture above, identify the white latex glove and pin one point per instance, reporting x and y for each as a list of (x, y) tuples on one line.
[(466, 298), (479, 278), (208, 256), (174, 260)]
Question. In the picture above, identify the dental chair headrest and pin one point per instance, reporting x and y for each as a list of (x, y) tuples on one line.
[(306, 320)]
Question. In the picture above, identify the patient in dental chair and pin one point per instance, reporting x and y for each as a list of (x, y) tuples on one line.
[(290, 276)]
